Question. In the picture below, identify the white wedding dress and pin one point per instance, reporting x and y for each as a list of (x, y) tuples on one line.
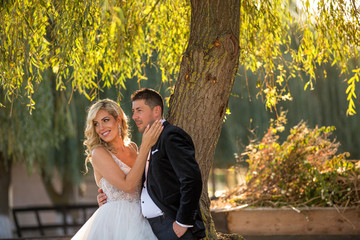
[(120, 218)]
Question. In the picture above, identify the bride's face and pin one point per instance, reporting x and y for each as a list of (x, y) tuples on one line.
[(106, 126)]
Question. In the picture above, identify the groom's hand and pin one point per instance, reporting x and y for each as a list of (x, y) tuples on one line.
[(179, 230), (101, 198)]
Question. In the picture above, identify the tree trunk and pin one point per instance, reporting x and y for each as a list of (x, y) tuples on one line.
[(5, 180), (66, 194), (206, 77)]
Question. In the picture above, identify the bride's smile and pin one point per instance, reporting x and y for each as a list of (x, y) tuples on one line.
[(106, 126)]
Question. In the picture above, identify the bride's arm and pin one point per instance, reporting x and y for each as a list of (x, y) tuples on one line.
[(105, 165)]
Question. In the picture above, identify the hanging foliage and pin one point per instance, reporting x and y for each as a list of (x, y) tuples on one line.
[(90, 45)]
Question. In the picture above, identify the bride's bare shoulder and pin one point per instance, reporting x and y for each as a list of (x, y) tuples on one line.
[(99, 153)]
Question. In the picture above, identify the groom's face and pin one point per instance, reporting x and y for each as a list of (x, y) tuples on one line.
[(143, 115)]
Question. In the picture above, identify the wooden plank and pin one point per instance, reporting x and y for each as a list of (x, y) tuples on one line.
[(220, 220), (314, 221)]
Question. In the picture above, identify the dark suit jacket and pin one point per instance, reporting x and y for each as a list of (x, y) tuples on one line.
[(174, 179)]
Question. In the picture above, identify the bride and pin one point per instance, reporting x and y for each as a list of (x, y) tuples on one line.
[(118, 169)]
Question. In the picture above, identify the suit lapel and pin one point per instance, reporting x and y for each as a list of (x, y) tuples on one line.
[(156, 147)]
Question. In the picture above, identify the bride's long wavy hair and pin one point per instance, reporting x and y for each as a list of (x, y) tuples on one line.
[(92, 139)]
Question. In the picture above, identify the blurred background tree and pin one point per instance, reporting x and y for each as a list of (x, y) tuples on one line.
[(325, 105), (49, 141)]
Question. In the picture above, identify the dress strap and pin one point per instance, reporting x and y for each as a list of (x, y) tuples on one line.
[(116, 159), (134, 147)]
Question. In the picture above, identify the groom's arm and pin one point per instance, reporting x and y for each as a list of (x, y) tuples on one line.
[(101, 197), (181, 154)]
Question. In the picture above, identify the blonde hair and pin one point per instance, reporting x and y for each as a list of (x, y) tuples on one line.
[(92, 139)]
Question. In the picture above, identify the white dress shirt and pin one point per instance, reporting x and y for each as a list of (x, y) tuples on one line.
[(148, 208)]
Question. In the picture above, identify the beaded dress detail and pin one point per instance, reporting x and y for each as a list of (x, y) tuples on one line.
[(113, 193), (118, 219)]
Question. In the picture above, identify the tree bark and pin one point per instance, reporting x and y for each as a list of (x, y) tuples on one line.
[(206, 77), (5, 180)]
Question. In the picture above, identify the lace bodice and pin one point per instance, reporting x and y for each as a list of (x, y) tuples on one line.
[(112, 193)]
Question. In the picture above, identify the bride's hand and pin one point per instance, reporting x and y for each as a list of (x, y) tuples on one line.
[(151, 134)]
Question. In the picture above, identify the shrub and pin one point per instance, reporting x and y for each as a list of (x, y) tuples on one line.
[(302, 171)]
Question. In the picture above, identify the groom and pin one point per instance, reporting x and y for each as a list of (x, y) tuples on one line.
[(172, 179)]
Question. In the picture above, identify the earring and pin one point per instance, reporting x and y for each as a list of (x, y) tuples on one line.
[(119, 130)]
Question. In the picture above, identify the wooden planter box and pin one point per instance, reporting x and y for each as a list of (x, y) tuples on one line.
[(287, 221)]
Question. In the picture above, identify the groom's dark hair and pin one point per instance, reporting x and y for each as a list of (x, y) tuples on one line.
[(152, 98)]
